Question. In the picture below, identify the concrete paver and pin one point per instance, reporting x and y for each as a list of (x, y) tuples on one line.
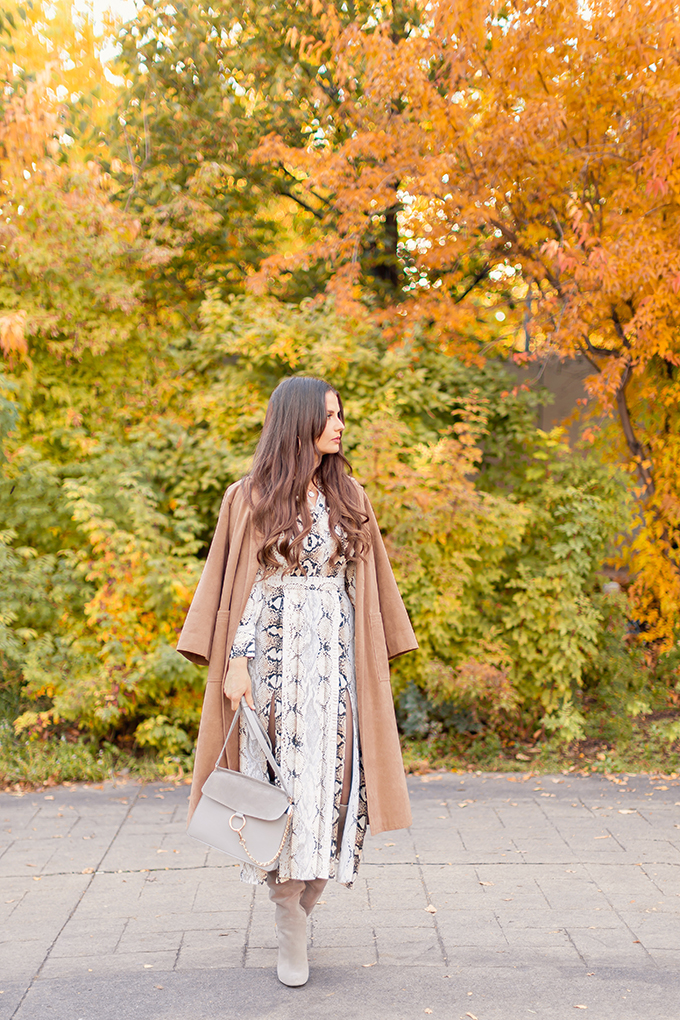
[(510, 897)]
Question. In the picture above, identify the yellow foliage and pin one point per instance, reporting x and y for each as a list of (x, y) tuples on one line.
[(58, 46)]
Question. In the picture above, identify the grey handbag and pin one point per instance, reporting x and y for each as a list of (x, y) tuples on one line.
[(242, 816)]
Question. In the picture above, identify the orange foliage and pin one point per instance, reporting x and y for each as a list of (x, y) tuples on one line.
[(531, 154), (12, 333)]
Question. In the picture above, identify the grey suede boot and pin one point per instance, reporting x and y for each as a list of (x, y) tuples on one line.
[(291, 930), (310, 897)]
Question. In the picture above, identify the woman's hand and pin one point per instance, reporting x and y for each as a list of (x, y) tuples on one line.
[(237, 683)]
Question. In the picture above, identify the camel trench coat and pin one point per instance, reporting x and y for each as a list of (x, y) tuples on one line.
[(382, 631)]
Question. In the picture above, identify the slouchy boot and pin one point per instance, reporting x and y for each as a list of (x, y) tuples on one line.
[(291, 930), (310, 897)]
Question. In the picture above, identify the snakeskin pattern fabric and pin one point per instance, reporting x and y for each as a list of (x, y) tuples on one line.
[(297, 632)]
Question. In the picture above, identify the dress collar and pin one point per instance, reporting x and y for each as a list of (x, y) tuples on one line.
[(320, 502)]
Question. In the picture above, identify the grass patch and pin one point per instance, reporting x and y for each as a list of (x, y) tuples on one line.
[(27, 764), (649, 743), (614, 743), (30, 764)]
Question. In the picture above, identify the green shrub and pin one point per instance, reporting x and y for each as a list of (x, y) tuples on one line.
[(500, 585), (495, 529)]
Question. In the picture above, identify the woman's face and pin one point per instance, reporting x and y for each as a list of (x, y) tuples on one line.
[(329, 440)]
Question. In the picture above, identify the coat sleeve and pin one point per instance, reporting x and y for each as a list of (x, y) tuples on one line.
[(399, 635), (195, 640)]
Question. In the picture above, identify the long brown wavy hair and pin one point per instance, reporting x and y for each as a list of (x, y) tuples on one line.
[(286, 464)]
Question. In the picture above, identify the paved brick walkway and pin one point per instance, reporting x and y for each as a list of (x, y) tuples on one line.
[(509, 898)]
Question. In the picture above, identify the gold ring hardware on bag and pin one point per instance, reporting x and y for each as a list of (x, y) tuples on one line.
[(237, 828), (262, 864)]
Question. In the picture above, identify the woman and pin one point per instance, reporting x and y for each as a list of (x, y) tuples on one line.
[(297, 610)]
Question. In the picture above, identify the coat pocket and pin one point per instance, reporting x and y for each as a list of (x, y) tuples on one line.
[(379, 647), (219, 646)]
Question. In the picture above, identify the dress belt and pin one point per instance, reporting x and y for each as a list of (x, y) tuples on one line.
[(309, 583)]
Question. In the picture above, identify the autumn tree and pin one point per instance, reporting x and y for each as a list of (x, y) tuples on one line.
[(206, 83), (95, 573), (533, 151)]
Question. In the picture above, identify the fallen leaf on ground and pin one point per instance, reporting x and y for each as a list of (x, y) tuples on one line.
[(390, 844), (87, 871), (660, 787), (430, 909), (522, 757), (486, 883)]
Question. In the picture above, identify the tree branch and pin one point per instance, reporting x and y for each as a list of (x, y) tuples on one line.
[(603, 351), (478, 277), (619, 329), (637, 449), (584, 352), (302, 203)]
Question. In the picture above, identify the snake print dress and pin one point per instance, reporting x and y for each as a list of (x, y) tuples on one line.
[(297, 632)]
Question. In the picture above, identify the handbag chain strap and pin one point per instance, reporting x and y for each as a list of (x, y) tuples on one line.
[(262, 864), (257, 730)]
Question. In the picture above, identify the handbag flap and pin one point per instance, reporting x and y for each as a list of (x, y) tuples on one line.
[(245, 795)]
